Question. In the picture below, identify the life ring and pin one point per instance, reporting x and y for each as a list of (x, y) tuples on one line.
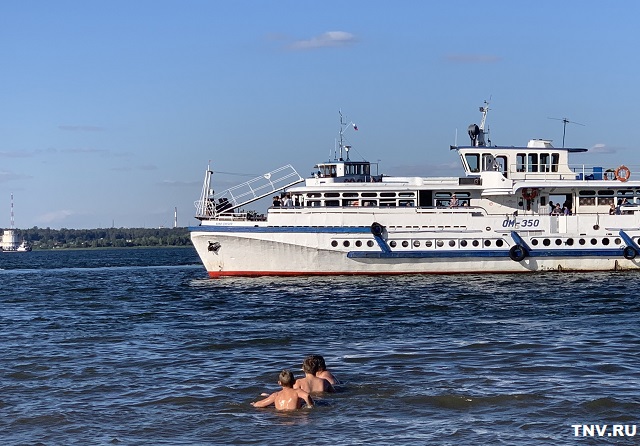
[(622, 173), (529, 194), (377, 229), (517, 253), (629, 253)]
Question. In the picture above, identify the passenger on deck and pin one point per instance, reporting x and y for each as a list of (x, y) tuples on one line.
[(453, 203), (276, 202), (612, 209), (288, 202)]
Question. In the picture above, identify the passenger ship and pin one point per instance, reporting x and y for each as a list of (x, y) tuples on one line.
[(498, 217)]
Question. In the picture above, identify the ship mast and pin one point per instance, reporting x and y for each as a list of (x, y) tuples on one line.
[(12, 221)]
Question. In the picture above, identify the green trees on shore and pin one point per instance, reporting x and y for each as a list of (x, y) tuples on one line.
[(46, 238)]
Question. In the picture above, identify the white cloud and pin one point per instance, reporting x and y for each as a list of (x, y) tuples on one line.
[(602, 148), (330, 39), (55, 216)]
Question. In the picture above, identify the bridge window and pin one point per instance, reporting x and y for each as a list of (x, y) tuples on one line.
[(473, 161), (533, 162), (521, 162)]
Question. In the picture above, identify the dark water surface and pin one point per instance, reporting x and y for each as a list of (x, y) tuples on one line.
[(138, 346)]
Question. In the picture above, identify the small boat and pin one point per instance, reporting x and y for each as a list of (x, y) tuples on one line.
[(513, 210)]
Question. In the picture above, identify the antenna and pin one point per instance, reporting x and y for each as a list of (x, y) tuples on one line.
[(12, 221), (565, 121)]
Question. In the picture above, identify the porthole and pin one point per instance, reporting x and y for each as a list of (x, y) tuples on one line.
[(370, 243), (499, 242), (594, 241), (546, 242), (487, 243), (428, 243), (570, 241), (475, 243), (439, 243), (617, 241), (605, 241), (463, 243), (534, 242), (582, 241), (416, 244), (558, 241), (405, 244), (452, 243), (358, 243), (392, 244), (334, 243), (346, 243)]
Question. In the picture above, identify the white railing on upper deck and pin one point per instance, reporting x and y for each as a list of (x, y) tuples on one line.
[(252, 190)]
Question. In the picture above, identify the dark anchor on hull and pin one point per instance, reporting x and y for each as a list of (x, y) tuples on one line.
[(520, 250), (377, 230), (214, 247), (632, 249)]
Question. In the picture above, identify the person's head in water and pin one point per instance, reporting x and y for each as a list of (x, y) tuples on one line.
[(309, 365), (286, 378)]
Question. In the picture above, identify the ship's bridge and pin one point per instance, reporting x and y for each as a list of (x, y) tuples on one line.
[(345, 171), (539, 159)]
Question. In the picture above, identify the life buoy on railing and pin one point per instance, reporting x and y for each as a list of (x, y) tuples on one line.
[(529, 194), (622, 173)]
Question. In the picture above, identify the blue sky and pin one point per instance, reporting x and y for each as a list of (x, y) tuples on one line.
[(111, 110)]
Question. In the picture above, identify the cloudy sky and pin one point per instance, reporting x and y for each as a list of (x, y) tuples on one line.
[(111, 110)]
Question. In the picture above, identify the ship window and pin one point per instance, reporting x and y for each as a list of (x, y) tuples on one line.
[(558, 241), (440, 243), (387, 194), (358, 243), (428, 243), (605, 241), (606, 201), (555, 160), (501, 163), (625, 194), (369, 203), (533, 162), (534, 242), (406, 194), (405, 244), (313, 195), (332, 203), (587, 192), (392, 243), (405, 203), (369, 194), (388, 203), (520, 162), (607, 193), (545, 162), (473, 161), (334, 243), (475, 243), (313, 203), (452, 243), (332, 194), (370, 243), (346, 243), (463, 243), (349, 194), (594, 241), (499, 242)]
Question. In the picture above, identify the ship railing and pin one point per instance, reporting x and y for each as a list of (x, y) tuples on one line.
[(225, 202)]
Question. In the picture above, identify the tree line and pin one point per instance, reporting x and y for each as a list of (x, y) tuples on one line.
[(46, 238)]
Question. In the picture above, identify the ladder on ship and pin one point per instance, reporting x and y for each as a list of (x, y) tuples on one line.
[(211, 205)]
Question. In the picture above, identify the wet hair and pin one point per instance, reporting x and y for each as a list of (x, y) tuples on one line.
[(286, 378), (320, 364), (309, 365)]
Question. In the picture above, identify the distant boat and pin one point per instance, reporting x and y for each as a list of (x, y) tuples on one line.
[(10, 239)]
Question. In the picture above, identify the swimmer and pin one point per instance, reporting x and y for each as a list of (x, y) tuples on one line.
[(288, 398), (323, 372), (311, 383)]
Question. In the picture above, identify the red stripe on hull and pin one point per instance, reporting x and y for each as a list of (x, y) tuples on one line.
[(218, 274)]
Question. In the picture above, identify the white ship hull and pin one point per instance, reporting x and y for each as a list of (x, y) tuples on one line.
[(497, 218)]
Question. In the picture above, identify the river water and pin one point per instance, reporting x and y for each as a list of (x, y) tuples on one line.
[(139, 347)]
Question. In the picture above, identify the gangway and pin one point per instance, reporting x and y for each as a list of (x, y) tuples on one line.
[(212, 205)]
